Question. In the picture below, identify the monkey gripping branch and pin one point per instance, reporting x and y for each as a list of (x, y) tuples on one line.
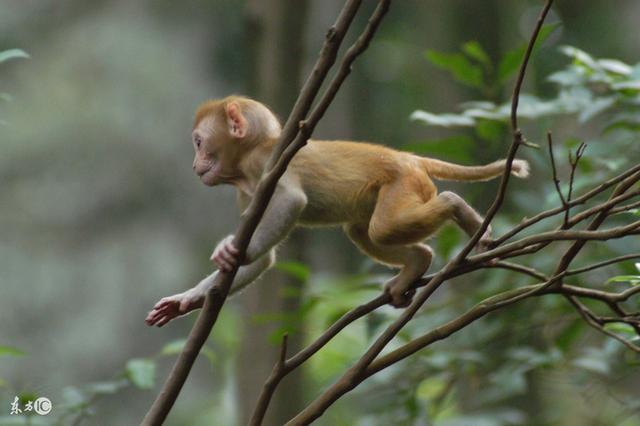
[(239, 141)]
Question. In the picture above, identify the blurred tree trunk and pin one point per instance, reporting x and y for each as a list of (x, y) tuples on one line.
[(275, 40)]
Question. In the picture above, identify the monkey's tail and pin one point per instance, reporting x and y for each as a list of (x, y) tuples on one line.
[(449, 171)]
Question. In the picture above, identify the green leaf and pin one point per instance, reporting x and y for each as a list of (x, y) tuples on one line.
[(141, 372), (580, 57), (629, 87), (594, 108), (474, 50), (74, 396), (633, 279), (511, 61), (107, 388), (10, 351), (616, 67), (442, 120), (629, 125), (620, 328), (297, 270), (490, 130), (572, 76), (569, 335), (457, 64), (5, 55), (173, 348), (594, 364)]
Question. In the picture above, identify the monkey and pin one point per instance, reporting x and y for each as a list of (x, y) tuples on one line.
[(384, 199)]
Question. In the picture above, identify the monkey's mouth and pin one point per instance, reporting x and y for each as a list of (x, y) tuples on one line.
[(210, 177)]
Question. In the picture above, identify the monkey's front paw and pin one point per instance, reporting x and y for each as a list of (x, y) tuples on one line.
[(174, 306), (225, 254)]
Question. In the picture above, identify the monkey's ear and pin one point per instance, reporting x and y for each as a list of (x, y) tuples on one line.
[(235, 120)]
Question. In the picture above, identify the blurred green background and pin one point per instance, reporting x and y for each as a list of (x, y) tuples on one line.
[(101, 215)]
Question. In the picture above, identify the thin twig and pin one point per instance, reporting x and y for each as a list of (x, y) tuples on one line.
[(551, 236), (603, 206), (574, 165), (527, 222), (594, 321), (554, 171), (603, 264), (625, 208), (598, 220)]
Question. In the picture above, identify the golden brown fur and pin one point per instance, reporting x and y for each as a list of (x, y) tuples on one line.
[(385, 199)]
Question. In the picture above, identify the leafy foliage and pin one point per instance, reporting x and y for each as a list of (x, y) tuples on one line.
[(587, 87)]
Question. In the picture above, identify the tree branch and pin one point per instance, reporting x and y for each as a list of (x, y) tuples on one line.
[(276, 167), (527, 222)]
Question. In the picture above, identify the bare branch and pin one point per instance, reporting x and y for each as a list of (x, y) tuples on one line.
[(595, 322), (603, 206), (527, 222), (598, 220), (546, 237), (603, 264), (625, 208), (554, 171), (574, 165)]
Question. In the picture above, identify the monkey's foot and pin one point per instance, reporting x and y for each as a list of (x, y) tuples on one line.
[(485, 241), (400, 298)]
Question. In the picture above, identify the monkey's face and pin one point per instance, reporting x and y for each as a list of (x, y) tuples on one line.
[(219, 142), (206, 163), (214, 153)]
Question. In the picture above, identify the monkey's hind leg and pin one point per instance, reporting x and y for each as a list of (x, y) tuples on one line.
[(403, 216), (413, 260)]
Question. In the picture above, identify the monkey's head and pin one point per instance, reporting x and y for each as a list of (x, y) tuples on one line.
[(224, 132)]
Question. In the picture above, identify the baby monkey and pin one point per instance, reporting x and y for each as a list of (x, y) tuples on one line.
[(385, 200)]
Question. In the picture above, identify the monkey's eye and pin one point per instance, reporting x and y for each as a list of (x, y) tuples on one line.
[(197, 140)]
